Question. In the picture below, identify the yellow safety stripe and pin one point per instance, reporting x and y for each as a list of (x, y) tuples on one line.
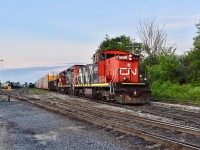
[(134, 83), (104, 84), (93, 85)]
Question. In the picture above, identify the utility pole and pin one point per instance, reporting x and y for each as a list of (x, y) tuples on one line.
[(133, 41), (1, 69)]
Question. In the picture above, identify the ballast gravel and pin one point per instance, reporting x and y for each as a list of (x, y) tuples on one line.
[(177, 106), (24, 126), (132, 111)]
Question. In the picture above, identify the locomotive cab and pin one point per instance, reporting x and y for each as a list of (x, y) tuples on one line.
[(118, 66), (62, 82), (120, 70)]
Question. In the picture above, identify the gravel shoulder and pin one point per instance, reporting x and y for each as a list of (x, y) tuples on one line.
[(24, 126)]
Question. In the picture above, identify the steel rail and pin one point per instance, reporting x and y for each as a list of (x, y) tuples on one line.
[(147, 110), (175, 108), (150, 111)]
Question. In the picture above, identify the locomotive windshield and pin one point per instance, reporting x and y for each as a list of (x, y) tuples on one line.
[(106, 56), (109, 56)]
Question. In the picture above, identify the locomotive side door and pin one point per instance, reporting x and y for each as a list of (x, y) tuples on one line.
[(102, 68)]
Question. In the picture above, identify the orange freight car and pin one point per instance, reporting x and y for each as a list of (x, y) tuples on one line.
[(43, 83)]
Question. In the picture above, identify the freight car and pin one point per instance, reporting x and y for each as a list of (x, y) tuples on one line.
[(48, 82), (113, 76)]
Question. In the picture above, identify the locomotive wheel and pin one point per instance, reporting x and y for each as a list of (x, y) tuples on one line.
[(120, 98)]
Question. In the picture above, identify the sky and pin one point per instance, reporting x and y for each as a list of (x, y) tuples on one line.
[(38, 36)]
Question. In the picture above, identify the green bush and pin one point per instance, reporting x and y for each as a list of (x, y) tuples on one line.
[(176, 93)]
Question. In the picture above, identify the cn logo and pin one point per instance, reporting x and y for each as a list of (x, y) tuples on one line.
[(127, 71)]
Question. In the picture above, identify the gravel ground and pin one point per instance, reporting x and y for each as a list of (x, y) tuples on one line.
[(23, 126)]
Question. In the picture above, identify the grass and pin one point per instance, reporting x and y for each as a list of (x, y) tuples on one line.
[(34, 91), (2, 100), (176, 93)]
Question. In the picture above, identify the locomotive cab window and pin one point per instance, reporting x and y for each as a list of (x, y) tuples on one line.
[(102, 57), (109, 56)]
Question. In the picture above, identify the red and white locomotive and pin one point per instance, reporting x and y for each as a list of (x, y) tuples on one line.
[(113, 76)]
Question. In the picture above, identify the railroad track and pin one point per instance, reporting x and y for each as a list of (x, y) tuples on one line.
[(17, 91), (117, 121), (185, 117)]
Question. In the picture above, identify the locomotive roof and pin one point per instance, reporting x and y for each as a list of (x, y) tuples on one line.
[(74, 66), (114, 52)]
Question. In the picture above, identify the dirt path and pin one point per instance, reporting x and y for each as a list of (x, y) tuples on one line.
[(4, 135)]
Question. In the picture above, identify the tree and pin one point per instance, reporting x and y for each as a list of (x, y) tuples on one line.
[(167, 51), (193, 60), (168, 68), (121, 42), (194, 64), (197, 38), (154, 39), (152, 36)]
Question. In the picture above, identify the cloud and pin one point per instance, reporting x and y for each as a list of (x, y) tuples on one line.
[(180, 21), (179, 25), (29, 74), (31, 52), (182, 17)]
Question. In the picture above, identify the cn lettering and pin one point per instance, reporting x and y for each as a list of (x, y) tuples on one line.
[(127, 71)]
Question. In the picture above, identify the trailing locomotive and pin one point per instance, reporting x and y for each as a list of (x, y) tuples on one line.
[(67, 79), (113, 76)]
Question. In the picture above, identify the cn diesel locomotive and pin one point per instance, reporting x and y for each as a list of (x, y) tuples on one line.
[(114, 75)]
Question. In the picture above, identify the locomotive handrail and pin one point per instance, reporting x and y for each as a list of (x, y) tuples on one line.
[(114, 75), (112, 91)]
